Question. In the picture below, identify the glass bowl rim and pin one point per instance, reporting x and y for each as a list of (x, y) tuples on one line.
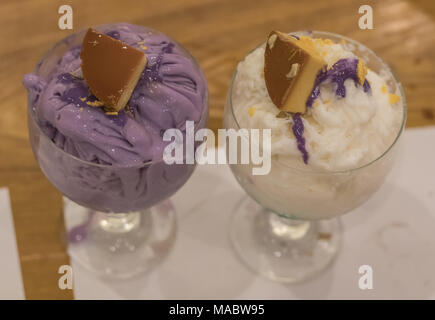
[(371, 52), (66, 39)]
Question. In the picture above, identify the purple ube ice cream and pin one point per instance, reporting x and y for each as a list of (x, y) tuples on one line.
[(126, 149)]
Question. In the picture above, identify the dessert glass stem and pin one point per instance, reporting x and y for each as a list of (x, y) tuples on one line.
[(119, 245), (286, 228), (119, 222), (282, 248)]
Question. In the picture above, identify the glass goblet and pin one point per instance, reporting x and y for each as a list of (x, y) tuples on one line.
[(286, 228), (119, 219)]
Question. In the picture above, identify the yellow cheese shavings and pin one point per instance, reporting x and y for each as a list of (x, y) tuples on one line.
[(83, 99), (308, 44), (384, 89), (112, 113), (95, 103), (143, 47), (393, 98), (251, 111), (361, 70), (323, 42)]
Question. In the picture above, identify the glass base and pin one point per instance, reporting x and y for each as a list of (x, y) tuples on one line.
[(119, 245), (283, 249)]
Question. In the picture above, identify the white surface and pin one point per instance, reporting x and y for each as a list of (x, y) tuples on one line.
[(11, 284), (394, 232)]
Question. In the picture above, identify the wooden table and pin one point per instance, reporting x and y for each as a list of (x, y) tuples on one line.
[(218, 33)]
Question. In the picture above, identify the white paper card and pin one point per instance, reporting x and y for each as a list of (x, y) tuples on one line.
[(394, 232), (11, 283)]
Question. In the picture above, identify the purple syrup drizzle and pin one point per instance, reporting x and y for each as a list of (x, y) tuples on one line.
[(298, 131), (75, 52), (342, 70), (66, 78), (120, 119), (114, 34), (76, 92)]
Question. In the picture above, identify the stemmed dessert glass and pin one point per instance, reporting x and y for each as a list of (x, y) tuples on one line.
[(286, 228), (119, 219)]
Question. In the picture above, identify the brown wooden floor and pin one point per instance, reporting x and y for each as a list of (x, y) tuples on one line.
[(218, 33)]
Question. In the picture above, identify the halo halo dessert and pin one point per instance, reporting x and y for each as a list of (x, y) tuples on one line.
[(99, 103), (336, 113), (340, 115), (106, 157), (333, 155)]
